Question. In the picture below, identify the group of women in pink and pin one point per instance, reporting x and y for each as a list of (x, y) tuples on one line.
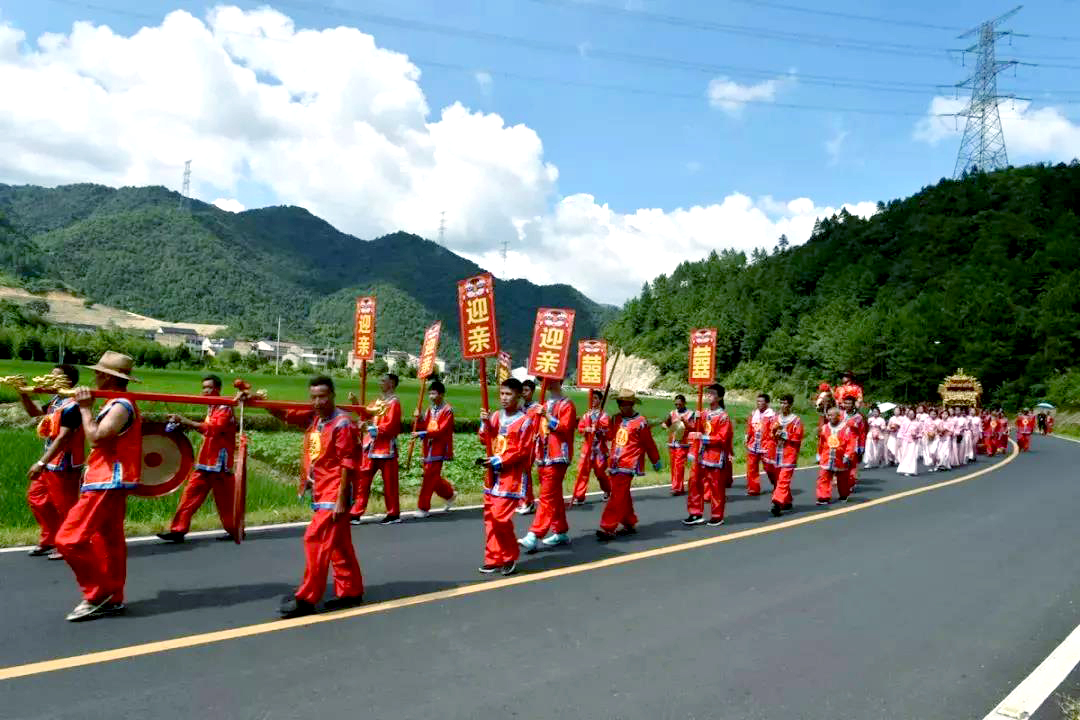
[(938, 439)]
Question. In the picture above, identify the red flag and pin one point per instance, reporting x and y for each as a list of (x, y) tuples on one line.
[(702, 356), (364, 329), (476, 310), (551, 342), (592, 364), (428, 351)]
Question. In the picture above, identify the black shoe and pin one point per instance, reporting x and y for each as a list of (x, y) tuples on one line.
[(677, 493), (604, 536), (340, 603), (777, 509), (508, 569), (788, 506), (294, 608), (716, 522), (694, 520), (172, 537), (227, 537), (624, 531), (40, 550), (488, 569), (390, 520), (113, 609)]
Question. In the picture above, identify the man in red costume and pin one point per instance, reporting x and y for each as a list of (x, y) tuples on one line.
[(437, 436), (329, 465), (55, 477), (836, 455), (91, 538), (1001, 432), (783, 448), (1025, 426), (510, 432), (380, 454), (714, 432), (847, 387), (595, 427), (678, 442), (213, 469), (633, 442), (554, 448), (527, 506), (758, 429), (861, 428)]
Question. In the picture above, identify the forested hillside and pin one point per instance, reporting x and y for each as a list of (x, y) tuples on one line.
[(136, 248), (981, 273)]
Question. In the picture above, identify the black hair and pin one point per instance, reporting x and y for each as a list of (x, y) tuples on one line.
[(214, 379), (531, 384), (765, 397), (438, 387), (393, 378), (323, 380), (787, 397), (719, 390), (512, 383), (70, 372), (680, 396), (597, 394)]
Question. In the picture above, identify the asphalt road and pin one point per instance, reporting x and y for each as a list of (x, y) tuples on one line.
[(933, 606)]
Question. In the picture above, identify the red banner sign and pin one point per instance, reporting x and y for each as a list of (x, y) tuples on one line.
[(503, 372), (551, 342), (702, 356), (428, 351), (592, 364), (476, 309), (364, 329)]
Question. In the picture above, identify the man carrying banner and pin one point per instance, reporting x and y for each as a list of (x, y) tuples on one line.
[(438, 446), (680, 423), (595, 427), (213, 469), (329, 465), (554, 448), (511, 433), (380, 454), (633, 442), (714, 432)]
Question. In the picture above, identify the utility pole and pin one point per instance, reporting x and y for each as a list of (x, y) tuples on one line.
[(505, 249), (983, 145), (442, 228), (185, 193), (277, 348)]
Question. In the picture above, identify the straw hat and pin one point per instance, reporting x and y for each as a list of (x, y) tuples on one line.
[(117, 365), (626, 395)]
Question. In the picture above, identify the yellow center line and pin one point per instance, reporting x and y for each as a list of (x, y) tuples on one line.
[(132, 651)]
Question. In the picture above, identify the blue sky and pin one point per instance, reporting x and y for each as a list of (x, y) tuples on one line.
[(668, 147)]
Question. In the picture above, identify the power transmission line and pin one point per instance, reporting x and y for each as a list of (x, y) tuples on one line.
[(185, 193)]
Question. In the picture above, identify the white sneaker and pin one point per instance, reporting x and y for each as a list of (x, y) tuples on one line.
[(86, 610), (528, 543), (526, 509), (422, 514), (555, 540), (450, 503)]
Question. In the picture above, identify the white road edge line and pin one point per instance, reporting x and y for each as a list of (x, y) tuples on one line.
[(1030, 694)]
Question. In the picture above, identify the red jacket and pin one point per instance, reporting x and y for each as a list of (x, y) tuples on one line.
[(555, 442), (329, 446), (219, 440), (61, 412), (115, 463), (633, 442), (689, 420), (386, 429), (836, 449), (437, 434), (759, 430), (716, 438), (859, 426), (512, 439), (784, 441), (600, 423)]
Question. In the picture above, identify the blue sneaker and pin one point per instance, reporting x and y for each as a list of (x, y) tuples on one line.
[(556, 539), (528, 543)]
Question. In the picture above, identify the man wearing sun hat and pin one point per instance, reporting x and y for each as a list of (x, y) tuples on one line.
[(92, 536), (631, 444)]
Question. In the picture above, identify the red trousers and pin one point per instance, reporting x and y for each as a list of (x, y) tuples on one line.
[(389, 469), (500, 542), (707, 481), (91, 539), (198, 488), (551, 509), (754, 461), (988, 444), (50, 496), (824, 483), (328, 542), (529, 498), (1001, 443), (619, 509), (433, 482), (782, 492), (587, 465), (678, 457), (853, 476), (1023, 442)]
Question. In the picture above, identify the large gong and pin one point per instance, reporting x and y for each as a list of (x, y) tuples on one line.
[(167, 459)]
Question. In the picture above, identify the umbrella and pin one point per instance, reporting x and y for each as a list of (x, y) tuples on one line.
[(1045, 406), (886, 407)]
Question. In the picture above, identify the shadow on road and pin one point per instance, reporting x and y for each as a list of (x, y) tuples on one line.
[(171, 601)]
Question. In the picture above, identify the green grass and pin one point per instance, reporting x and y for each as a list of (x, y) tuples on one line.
[(275, 461)]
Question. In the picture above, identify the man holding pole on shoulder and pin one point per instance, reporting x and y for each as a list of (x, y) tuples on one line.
[(714, 432), (380, 454), (328, 462), (91, 538), (633, 442), (554, 448), (437, 436), (529, 407), (595, 426)]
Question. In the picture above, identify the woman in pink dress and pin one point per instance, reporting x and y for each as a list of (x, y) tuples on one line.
[(875, 440), (943, 427), (892, 431), (908, 445), (929, 443)]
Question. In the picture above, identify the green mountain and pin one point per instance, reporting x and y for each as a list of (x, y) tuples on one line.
[(136, 248), (981, 273)]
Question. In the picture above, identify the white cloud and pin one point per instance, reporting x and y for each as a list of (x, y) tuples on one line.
[(328, 120), (731, 97), (834, 145), (1031, 134), (484, 80), (229, 205)]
